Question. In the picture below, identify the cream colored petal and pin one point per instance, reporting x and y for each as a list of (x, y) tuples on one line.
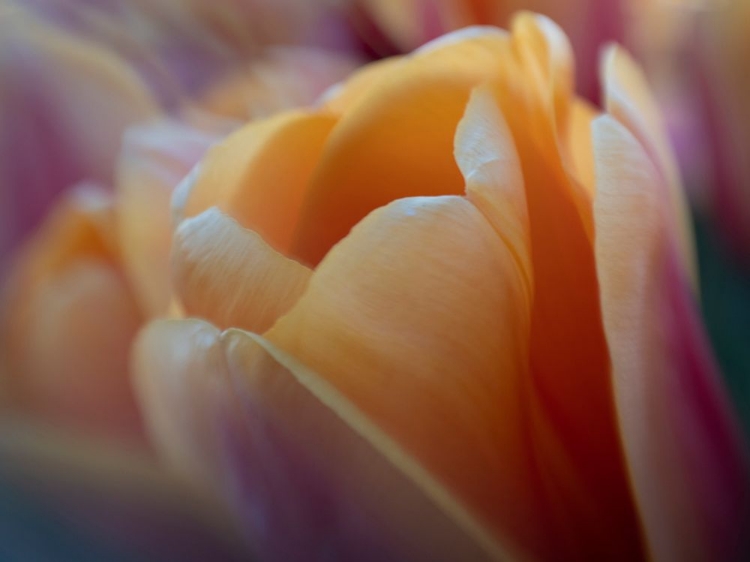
[(629, 99), (230, 276)]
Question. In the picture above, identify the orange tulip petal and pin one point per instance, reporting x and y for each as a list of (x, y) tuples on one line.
[(397, 140), (309, 475), (259, 174), (579, 144), (420, 318), (230, 276), (689, 471)]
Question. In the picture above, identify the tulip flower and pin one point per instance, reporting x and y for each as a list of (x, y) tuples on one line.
[(589, 23), (449, 314)]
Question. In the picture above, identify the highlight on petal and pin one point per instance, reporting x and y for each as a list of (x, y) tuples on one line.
[(230, 276), (628, 98), (155, 157), (67, 321), (65, 102), (687, 463), (310, 477), (112, 497), (487, 157)]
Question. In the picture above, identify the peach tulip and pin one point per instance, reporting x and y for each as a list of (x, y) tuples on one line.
[(449, 314)]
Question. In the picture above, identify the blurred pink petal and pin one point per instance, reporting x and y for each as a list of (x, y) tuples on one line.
[(64, 105), (688, 465)]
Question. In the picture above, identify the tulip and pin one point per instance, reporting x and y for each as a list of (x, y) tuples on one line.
[(449, 314), (589, 24)]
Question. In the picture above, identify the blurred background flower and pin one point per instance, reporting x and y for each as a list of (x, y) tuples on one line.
[(75, 75)]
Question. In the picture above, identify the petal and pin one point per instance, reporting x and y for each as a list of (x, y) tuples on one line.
[(177, 366), (259, 174), (67, 324), (591, 514), (310, 477), (628, 98), (420, 318), (230, 276), (397, 140), (65, 102), (487, 157), (579, 144), (154, 159), (689, 469)]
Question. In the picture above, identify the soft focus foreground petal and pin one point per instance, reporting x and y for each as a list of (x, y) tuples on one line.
[(64, 104), (309, 476), (688, 467), (396, 140), (420, 318), (155, 157), (114, 497), (259, 174), (282, 78), (628, 98), (230, 276), (177, 368), (68, 319)]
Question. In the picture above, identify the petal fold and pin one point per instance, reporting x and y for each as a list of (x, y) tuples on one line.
[(230, 276)]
